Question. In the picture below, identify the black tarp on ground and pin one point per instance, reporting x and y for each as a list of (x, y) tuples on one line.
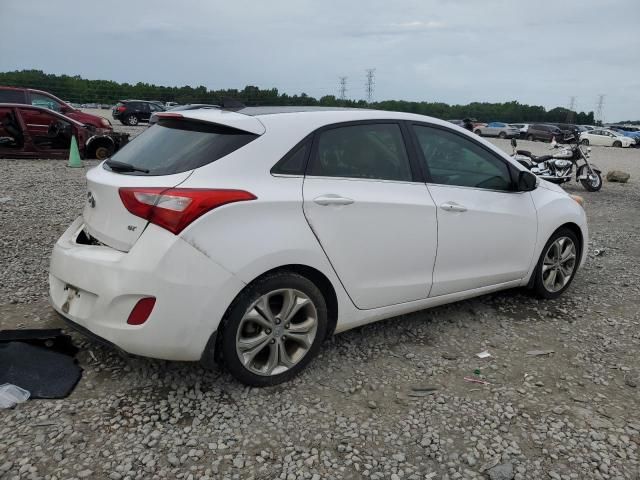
[(45, 373), (52, 338)]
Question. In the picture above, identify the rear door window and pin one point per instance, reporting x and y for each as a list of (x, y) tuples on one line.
[(373, 151), (175, 146)]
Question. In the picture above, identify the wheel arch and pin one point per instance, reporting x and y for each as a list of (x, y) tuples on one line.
[(98, 141)]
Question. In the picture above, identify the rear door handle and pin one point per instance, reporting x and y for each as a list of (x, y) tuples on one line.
[(332, 199), (453, 207)]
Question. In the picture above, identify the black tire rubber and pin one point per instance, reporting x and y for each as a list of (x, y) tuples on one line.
[(587, 184), (502, 135), (132, 120), (226, 337), (584, 141), (531, 138), (538, 286), (478, 132), (617, 144)]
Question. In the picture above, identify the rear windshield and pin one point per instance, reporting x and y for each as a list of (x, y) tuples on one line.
[(175, 146)]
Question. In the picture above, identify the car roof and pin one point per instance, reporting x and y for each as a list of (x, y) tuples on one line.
[(256, 119)]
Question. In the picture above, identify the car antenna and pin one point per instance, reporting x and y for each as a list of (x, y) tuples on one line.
[(232, 104)]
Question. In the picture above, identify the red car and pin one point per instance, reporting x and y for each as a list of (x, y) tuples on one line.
[(39, 98), (35, 132)]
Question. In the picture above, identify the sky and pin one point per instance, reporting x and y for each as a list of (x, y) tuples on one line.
[(539, 52)]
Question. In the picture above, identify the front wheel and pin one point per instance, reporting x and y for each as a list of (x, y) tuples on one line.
[(273, 329), (592, 182), (531, 138), (617, 144), (502, 135), (557, 265), (478, 132), (584, 142)]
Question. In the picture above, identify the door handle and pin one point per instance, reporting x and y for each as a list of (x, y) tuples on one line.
[(453, 207), (332, 199)]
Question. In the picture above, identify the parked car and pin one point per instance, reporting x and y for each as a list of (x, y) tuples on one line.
[(627, 133), (497, 129), (587, 127), (204, 218), (192, 106), (546, 133), (522, 127), (132, 112), (567, 129), (27, 131), (39, 98), (607, 138)]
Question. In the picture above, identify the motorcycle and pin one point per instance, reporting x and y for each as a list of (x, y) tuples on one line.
[(558, 167)]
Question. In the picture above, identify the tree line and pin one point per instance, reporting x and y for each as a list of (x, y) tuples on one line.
[(81, 90)]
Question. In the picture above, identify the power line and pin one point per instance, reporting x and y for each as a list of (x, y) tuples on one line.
[(343, 88), (572, 108), (600, 109), (370, 83)]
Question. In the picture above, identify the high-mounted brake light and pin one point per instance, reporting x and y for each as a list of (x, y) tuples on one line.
[(175, 208), (169, 115)]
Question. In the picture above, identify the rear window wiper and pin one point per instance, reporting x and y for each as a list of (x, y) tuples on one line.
[(124, 167)]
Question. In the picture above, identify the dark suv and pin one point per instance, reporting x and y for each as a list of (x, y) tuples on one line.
[(132, 112), (538, 131)]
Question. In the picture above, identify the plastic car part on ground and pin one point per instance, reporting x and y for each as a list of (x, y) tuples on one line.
[(11, 395)]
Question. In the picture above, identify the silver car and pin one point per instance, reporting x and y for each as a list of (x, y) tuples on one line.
[(498, 129)]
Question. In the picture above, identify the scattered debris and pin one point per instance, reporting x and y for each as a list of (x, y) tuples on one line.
[(11, 395), (5, 199), (598, 252), (484, 354), (618, 176), (537, 353), (476, 380)]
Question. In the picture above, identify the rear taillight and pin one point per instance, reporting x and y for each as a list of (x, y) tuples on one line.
[(121, 108), (175, 208), (141, 311)]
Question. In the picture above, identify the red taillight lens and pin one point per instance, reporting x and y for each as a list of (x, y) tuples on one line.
[(121, 108), (175, 208), (141, 311)]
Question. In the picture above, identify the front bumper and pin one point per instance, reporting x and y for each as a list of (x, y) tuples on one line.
[(96, 287)]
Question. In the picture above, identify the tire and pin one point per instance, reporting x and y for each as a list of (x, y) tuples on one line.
[(131, 120), (546, 284), (531, 138), (617, 144), (478, 132), (590, 185), (502, 135), (584, 141), (256, 313)]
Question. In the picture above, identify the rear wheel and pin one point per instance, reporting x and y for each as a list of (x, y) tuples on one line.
[(557, 265), (478, 132), (531, 138), (584, 141), (132, 120), (502, 135), (617, 144), (273, 329)]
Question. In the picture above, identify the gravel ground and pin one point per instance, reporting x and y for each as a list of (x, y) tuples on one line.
[(360, 410)]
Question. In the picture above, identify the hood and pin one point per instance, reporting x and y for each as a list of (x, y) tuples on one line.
[(542, 183), (89, 119)]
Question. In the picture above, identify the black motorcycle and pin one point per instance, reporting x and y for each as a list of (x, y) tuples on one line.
[(558, 167)]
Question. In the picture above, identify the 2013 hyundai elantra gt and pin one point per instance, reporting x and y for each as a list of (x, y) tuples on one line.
[(247, 237)]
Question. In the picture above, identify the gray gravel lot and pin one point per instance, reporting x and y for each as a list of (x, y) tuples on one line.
[(360, 409)]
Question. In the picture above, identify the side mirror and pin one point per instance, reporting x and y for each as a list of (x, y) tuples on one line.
[(514, 143), (527, 181)]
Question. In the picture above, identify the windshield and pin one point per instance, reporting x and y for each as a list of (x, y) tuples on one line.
[(175, 146)]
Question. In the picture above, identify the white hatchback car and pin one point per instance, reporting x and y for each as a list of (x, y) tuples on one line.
[(248, 237)]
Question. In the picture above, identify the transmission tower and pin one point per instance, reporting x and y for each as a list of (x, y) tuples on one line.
[(599, 109), (370, 83), (343, 88), (572, 108)]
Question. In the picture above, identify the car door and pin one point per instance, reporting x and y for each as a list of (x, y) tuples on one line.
[(596, 137), (371, 213), (52, 142), (145, 111), (486, 230)]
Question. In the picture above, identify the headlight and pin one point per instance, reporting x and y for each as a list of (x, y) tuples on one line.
[(578, 199)]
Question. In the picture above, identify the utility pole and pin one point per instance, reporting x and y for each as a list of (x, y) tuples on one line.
[(343, 88), (370, 83), (572, 107), (599, 109)]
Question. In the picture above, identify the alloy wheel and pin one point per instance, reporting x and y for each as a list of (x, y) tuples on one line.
[(276, 332), (558, 264)]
